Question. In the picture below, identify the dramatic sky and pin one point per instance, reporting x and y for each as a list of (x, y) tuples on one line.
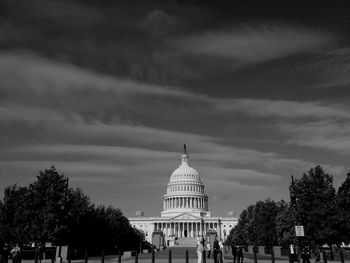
[(109, 91)]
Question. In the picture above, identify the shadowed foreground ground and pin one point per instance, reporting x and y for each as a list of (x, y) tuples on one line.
[(178, 256)]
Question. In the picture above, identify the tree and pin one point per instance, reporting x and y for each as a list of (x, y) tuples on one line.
[(16, 212), (239, 234), (265, 215), (49, 200), (315, 196), (49, 211), (285, 226), (343, 212), (257, 224)]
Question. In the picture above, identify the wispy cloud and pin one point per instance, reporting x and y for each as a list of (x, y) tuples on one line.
[(254, 44), (31, 81), (102, 109), (331, 67), (283, 109), (329, 135)]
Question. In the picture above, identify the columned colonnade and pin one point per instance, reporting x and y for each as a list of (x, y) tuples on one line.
[(185, 229), (185, 202)]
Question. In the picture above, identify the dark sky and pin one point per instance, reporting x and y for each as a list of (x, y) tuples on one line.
[(109, 91)]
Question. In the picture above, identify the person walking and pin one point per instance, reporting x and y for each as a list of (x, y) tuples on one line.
[(16, 254), (305, 255), (200, 249), (221, 245), (216, 250), (240, 255), (5, 252), (208, 249), (234, 252)]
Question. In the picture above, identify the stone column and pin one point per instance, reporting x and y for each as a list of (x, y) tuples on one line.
[(188, 229), (192, 231), (180, 229)]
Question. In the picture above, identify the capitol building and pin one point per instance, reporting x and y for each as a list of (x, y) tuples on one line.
[(185, 215)]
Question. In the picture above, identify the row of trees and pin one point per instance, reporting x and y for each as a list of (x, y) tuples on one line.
[(48, 210), (315, 204)]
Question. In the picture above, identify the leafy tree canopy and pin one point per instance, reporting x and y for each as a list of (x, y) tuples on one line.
[(47, 210)]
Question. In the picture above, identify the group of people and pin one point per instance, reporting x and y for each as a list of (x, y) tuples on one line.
[(237, 252), (6, 253)]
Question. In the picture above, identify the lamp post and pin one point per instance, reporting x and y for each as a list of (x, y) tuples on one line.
[(63, 208), (297, 219), (202, 222)]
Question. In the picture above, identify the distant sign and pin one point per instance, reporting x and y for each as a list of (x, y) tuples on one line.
[(299, 231)]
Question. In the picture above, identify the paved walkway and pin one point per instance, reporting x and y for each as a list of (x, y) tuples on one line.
[(174, 260), (178, 256)]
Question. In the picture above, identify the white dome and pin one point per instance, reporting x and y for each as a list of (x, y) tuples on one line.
[(185, 172), (185, 192)]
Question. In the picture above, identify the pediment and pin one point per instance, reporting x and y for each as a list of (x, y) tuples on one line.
[(184, 216)]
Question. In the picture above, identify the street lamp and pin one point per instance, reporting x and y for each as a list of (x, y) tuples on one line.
[(63, 208)]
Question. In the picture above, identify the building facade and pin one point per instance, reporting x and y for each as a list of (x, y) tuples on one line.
[(185, 215)]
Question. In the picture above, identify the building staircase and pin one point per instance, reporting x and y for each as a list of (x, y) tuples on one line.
[(186, 242)]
